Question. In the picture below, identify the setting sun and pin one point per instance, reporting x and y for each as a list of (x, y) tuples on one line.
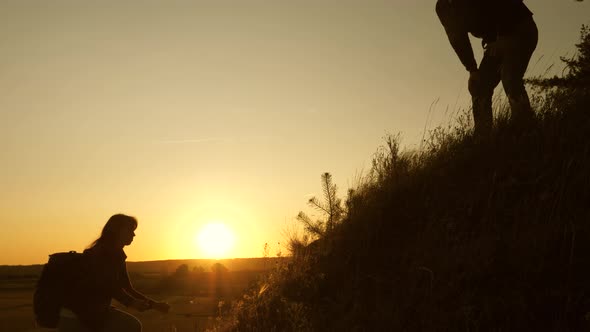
[(216, 240)]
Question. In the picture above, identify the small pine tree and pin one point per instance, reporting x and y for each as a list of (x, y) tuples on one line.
[(331, 208)]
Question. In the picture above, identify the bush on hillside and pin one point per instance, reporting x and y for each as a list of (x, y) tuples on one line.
[(577, 68)]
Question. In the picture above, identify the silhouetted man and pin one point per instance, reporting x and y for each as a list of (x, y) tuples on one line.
[(509, 37)]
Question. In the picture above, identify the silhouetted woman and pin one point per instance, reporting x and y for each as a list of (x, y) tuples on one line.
[(89, 308)]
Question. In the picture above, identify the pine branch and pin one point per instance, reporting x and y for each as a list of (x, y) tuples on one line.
[(314, 228), (318, 205)]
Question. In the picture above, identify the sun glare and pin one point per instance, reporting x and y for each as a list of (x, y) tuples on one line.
[(216, 240)]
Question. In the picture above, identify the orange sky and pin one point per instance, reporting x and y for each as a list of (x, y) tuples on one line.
[(185, 113)]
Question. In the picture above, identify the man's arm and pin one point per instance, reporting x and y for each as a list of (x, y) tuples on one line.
[(457, 35)]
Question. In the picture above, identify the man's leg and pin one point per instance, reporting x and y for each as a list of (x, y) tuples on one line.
[(482, 92), (517, 50)]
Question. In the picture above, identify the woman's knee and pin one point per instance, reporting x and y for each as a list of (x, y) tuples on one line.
[(133, 324), (122, 321), (67, 324)]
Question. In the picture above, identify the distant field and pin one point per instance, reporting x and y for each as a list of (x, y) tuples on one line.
[(187, 313), (16, 305), (194, 297)]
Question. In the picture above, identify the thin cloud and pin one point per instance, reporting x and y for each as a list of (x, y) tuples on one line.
[(190, 141), (244, 139)]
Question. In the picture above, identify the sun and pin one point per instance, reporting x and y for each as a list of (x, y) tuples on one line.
[(215, 240)]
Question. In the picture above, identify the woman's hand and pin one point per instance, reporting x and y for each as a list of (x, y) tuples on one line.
[(143, 305), (162, 307), (140, 305)]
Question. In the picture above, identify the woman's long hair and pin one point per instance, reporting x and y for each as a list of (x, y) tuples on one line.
[(112, 229)]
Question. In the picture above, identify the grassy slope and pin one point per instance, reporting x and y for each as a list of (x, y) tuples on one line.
[(465, 235)]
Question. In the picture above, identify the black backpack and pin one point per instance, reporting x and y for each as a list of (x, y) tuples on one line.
[(57, 279)]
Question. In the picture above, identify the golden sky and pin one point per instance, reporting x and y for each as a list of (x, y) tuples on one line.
[(184, 113)]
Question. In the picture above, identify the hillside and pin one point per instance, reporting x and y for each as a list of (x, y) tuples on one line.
[(467, 234)]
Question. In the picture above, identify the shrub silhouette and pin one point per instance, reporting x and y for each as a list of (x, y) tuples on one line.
[(181, 272), (577, 69)]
